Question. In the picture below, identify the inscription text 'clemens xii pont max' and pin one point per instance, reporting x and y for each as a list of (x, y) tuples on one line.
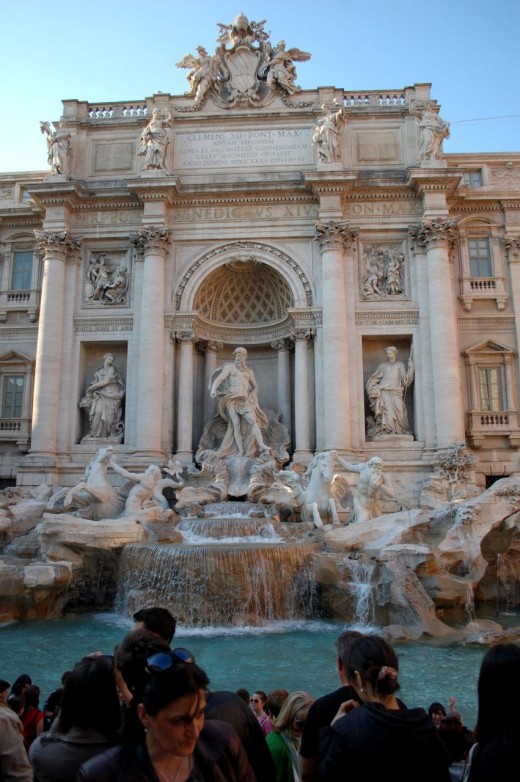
[(220, 149)]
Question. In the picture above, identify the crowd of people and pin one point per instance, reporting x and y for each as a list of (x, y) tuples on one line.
[(147, 713)]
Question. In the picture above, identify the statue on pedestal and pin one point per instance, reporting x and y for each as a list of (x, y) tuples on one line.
[(386, 389), (104, 402), (58, 147)]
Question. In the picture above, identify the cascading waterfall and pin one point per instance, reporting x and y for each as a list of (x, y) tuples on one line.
[(219, 584), (360, 575)]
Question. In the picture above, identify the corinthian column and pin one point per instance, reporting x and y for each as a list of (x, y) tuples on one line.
[(152, 241), (55, 247), (302, 441), (210, 349), (512, 245), (334, 239), (184, 451), (436, 235), (282, 346)]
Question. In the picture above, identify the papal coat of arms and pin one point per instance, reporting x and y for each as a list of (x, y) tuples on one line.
[(245, 69)]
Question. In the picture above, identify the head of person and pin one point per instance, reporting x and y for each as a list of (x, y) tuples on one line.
[(275, 701), (21, 684), (343, 643), (498, 693), (240, 356), (4, 690), (130, 660), (436, 711), (32, 696), (376, 464), (391, 354), (293, 714), (168, 713), (257, 700), (90, 698), (452, 733), (16, 703), (372, 667), (244, 694)]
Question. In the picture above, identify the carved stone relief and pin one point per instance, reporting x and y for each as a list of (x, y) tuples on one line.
[(383, 272), (107, 278)]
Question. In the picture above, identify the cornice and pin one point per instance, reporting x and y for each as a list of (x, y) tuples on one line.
[(456, 205), (434, 179), (303, 197), (488, 320), (11, 332), (387, 318), (118, 323), (382, 194), (326, 182)]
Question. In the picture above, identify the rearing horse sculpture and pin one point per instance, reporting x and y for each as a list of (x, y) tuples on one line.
[(94, 492), (319, 491)]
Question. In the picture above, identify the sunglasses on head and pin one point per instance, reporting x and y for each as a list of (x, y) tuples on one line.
[(163, 661)]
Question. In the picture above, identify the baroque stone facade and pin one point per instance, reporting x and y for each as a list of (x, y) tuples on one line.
[(316, 228)]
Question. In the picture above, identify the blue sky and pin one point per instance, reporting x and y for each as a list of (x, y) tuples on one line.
[(111, 50)]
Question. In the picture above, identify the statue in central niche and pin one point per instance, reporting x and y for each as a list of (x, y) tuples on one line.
[(236, 387)]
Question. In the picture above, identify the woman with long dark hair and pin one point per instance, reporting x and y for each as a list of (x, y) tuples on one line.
[(380, 739), (165, 737), (497, 731), (87, 724)]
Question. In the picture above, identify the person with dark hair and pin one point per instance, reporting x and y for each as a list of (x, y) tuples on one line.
[(324, 709), (32, 715), (379, 739), (494, 756), (244, 694), (228, 706), (436, 711), (165, 737), (130, 658), (258, 700), (21, 684), (17, 704), (275, 701), (53, 702), (158, 620), (88, 722)]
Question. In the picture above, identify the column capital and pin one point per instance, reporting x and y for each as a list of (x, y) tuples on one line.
[(57, 242), (512, 245), (186, 336), (282, 344), (209, 346), (435, 231), (334, 235), (151, 239), (303, 334)]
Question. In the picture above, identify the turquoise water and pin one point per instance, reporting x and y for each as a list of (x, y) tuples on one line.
[(290, 655)]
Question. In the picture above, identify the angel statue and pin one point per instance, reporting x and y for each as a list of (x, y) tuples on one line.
[(204, 72), (58, 147), (281, 70)]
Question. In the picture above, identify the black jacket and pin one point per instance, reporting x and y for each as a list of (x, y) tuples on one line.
[(372, 742), (219, 757)]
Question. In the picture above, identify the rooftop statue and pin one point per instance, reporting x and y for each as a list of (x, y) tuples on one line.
[(58, 147), (326, 132), (433, 131), (245, 68), (155, 140)]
